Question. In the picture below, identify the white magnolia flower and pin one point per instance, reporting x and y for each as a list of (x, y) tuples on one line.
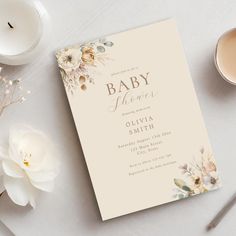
[(69, 58), (27, 165)]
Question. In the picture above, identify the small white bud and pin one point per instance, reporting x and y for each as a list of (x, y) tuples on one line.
[(22, 99), (7, 91)]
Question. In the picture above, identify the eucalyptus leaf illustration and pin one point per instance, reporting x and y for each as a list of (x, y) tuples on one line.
[(82, 47), (181, 184), (180, 196), (101, 49), (186, 188), (108, 44), (102, 40)]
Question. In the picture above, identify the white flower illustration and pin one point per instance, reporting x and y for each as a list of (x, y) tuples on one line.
[(76, 63), (28, 165), (69, 58)]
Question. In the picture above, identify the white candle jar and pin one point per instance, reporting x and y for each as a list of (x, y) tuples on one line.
[(24, 29)]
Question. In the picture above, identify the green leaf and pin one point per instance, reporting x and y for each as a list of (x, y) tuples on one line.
[(108, 44), (186, 188), (101, 49), (181, 184)]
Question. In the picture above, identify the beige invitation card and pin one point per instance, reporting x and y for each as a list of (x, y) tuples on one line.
[(138, 119)]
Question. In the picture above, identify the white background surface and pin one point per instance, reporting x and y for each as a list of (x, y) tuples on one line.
[(72, 208)]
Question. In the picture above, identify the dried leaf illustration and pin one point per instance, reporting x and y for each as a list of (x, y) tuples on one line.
[(83, 87), (82, 79)]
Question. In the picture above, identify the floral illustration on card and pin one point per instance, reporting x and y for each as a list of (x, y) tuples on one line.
[(199, 176), (77, 63)]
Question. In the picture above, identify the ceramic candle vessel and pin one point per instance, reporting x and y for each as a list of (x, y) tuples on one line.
[(24, 29), (225, 56)]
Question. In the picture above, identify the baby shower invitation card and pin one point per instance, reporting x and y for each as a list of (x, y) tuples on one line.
[(138, 119)]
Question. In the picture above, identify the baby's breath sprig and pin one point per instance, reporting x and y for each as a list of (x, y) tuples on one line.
[(11, 92)]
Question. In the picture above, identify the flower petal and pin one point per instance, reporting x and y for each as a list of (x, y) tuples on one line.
[(17, 189), (1, 170), (3, 153), (10, 168), (42, 176), (17, 131), (36, 144), (33, 196), (44, 186), (33, 203), (20, 135), (2, 188), (15, 136), (49, 169)]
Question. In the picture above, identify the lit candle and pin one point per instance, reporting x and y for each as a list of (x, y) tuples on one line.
[(23, 30)]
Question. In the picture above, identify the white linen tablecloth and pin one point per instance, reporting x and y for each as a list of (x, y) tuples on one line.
[(72, 209)]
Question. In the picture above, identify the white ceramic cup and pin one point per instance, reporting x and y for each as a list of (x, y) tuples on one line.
[(225, 56)]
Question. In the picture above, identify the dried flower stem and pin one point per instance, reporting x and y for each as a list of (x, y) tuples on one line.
[(11, 92)]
